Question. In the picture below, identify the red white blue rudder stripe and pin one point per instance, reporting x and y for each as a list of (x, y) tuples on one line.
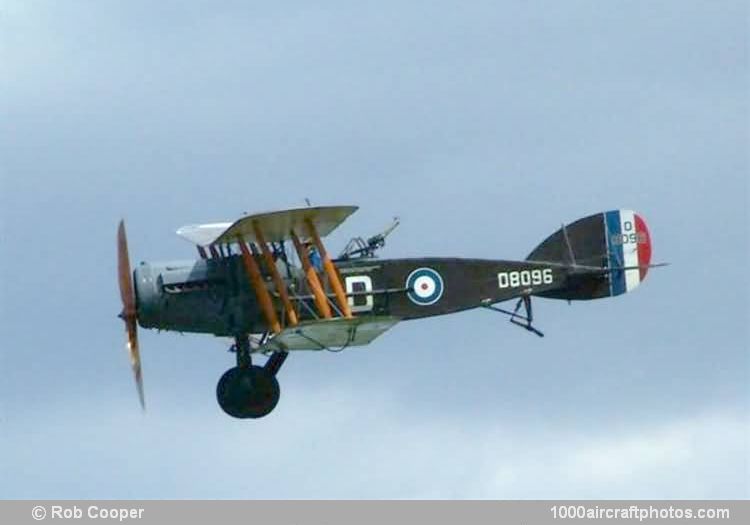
[(628, 250)]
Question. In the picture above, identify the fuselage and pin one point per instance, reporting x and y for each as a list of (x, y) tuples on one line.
[(215, 296)]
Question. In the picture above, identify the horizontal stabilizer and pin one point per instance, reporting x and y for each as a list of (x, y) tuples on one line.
[(582, 268), (643, 267)]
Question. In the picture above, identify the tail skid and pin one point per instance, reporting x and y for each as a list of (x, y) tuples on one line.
[(524, 321)]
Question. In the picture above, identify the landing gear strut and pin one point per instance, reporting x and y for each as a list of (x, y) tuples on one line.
[(249, 391)]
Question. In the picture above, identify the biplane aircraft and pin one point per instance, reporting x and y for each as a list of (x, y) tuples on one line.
[(268, 282)]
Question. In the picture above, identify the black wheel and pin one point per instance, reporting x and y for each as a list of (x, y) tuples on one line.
[(250, 392)]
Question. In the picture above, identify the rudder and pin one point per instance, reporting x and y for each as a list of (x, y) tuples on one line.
[(629, 246)]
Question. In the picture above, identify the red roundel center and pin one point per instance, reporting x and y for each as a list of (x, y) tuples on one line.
[(424, 286)]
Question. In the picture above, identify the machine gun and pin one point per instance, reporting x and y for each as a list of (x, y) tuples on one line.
[(357, 247)]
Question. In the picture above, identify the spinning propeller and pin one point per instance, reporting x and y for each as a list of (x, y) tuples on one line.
[(129, 314)]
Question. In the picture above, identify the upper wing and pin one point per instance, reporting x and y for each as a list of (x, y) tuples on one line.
[(275, 226), (336, 333), (203, 234)]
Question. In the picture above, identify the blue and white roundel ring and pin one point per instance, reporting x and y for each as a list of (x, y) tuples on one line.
[(424, 286)]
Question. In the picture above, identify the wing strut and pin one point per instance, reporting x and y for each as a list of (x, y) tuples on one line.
[(291, 314), (316, 288), (333, 275), (261, 292)]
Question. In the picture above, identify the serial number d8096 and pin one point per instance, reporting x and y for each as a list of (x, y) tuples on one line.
[(524, 278)]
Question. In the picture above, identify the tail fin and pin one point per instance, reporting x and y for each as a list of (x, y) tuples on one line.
[(606, 254)]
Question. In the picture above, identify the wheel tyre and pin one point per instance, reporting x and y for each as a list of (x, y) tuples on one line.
[(248, 392)]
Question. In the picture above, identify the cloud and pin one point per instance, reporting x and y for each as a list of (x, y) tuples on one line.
[(692, 457), (338, 443), (634, 455)]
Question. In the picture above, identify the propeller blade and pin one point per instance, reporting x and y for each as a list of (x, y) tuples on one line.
[(128, 314), (135, 360), (123, 272)]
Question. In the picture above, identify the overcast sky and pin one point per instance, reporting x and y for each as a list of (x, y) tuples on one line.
[(483, 125)]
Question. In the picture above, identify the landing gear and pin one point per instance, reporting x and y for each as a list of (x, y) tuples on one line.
[(249, 391)]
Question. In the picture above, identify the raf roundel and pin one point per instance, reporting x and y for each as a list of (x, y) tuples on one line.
[(425, 286)]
